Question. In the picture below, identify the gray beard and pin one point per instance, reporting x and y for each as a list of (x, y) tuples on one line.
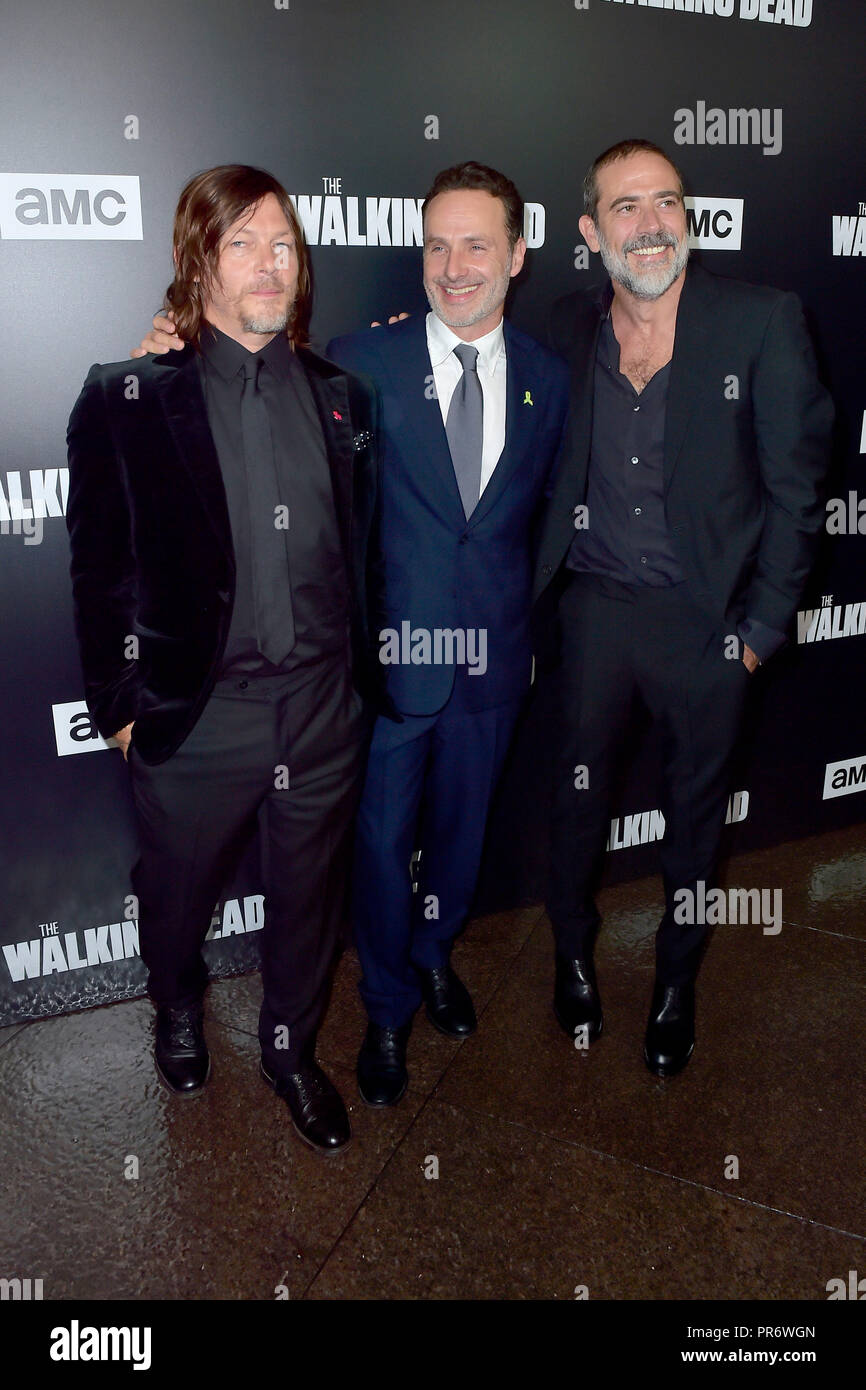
[(647, 287), (273, 322)]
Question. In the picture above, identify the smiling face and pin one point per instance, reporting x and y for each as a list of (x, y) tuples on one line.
[(256, 282), (468, 263), (640, 224)]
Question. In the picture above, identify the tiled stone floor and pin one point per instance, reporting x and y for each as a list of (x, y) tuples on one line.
[(556, 1168)]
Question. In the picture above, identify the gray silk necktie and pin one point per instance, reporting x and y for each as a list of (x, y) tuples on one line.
[(465, 428), (275, 628)]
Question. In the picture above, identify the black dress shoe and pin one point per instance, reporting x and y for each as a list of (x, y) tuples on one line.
[(316, 1107), (449, 1006), (576, 1001), (382, 1074), (670, 1032), (182, 1058)]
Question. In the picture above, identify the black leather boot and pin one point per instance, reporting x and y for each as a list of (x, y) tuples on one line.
[(315, 1105), (576, 1000), (182, 1058), (382, 1074), (448, 1003), (670, 1032)]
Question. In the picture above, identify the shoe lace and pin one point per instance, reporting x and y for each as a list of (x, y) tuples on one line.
[(310, 1085), (185, 1028)]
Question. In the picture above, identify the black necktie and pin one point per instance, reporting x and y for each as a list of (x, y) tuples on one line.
[(275, 626), (465, 428)]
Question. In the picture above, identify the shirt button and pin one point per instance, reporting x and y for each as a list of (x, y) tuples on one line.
[(637, 511), (635, 458)]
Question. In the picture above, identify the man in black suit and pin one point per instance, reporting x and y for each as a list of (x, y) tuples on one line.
[(677, 543), (226, 583)]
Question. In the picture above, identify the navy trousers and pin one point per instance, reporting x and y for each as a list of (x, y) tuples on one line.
[(428, 787)]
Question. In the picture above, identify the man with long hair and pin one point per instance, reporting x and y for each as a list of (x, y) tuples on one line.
[(226, 585)]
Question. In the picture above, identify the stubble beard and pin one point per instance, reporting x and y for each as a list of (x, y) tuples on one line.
[(453, 317), (266, 322)]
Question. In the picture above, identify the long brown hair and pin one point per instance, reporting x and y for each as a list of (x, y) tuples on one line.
[(210, 204)]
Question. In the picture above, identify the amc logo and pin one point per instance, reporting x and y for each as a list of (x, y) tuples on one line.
[(75, 731), (714, 224), (842, 779), (70, 207)]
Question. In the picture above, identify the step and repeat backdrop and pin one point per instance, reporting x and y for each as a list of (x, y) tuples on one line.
[(107, 109)]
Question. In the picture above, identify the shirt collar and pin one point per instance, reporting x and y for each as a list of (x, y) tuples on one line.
[(441, 342), (227, 356)]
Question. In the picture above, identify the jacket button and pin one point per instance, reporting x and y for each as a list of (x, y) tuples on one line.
[(223, 595), (546, 569)]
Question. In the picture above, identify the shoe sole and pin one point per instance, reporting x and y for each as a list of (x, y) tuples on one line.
[(665, 1072), (182, 1095), (456, 1037), (593, 1037), (316, 1148)]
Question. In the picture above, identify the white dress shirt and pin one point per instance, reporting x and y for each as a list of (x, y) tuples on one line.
[(492, 370)]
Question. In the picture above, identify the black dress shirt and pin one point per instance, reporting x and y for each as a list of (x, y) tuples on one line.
[(627, 537), (314, 567)]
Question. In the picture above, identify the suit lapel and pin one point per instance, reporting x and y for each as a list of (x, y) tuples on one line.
[(582, 362), (685, 386), (180, 394), (521, 382), (331, 394), (407, 360)]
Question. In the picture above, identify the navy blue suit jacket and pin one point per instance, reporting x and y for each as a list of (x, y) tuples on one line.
[(442, 571)]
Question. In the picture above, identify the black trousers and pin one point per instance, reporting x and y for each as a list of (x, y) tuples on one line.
[(286, 752), (623, 646)]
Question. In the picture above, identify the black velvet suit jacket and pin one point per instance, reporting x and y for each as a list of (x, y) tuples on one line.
[(746, 447), (152, 554)]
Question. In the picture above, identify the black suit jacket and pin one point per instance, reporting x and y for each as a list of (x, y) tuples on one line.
[(747, 437), (152, 553)]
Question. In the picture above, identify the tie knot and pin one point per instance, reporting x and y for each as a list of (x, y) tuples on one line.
[(467, 355), (251, 368)]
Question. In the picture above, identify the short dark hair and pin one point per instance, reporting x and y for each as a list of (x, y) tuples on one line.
[(209, 205), (622, 150), (473, 175)]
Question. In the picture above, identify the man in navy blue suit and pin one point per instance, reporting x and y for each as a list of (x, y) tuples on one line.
[(472, 418)]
